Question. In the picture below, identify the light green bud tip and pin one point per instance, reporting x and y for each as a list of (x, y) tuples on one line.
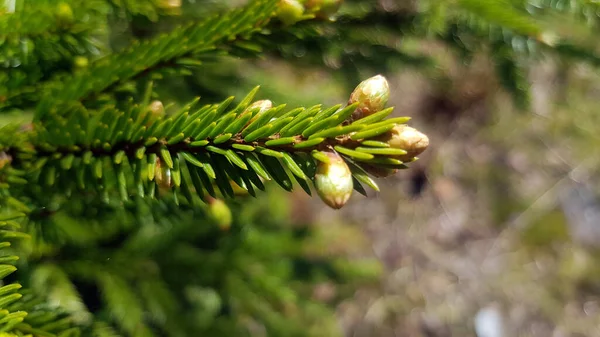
[(221, 213), (372, 95), (333, 181), (290, 11)]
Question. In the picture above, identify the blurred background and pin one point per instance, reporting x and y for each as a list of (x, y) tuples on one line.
[(493, 232)]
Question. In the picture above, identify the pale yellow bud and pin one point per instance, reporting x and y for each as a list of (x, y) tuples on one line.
[(290, 11), (81, 62), (221, 213), (64, 13), (372, 95), (157, 108), (333, 181), (406, 138), (170, 6)]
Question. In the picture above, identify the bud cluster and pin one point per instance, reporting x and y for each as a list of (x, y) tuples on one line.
[(372, 95), (333, 179)]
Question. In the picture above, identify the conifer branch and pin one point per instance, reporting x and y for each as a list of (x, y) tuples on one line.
[(38, 39), (197, 147), (44, 18), (191, 40), (83, 179), (22, 311)]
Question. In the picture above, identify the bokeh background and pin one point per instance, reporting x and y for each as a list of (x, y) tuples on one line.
[(494, 232)]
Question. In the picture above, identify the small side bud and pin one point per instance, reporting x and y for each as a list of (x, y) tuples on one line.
[(263, 106), (81, 62), (333, 181), (406, 138), (64, 13), (324, 9), (169, 3), (172, 7), (290, 11), (372, 95), (221, 213), (162, 175), (157, 108)]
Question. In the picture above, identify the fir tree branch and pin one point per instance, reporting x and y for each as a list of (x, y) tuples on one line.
[(43, 18), (22, 311), (146, 56), (39, 40), (197, 147)]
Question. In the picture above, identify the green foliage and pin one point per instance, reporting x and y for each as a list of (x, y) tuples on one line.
[(39, 41), (138, 152), (131, 261), (181, 47), (117, 203), (9, 292)]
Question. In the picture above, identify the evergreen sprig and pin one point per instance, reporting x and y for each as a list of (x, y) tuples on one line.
[(80, 147), (200, 150), (44, 18), (23, 312), (182, 46), (9, 292), (130, 257), (39, 39)]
